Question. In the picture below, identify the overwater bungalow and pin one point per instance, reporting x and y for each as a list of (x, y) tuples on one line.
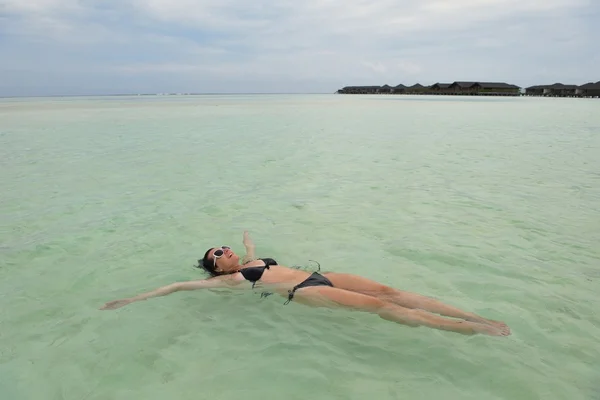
[(439, 88), (385, 89), (560, 90), (399, 89), (590, 89), (417, 88), (537, 90), (485, 88)]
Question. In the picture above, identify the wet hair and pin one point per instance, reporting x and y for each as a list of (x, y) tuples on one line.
[(208, 264)]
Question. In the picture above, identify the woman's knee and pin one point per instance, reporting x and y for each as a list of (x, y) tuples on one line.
[(388, 291), (392, 312)]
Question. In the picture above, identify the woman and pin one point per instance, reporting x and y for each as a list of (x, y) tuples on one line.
[(325, 290)]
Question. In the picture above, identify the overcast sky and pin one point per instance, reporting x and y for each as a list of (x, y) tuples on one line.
[(50, 47)]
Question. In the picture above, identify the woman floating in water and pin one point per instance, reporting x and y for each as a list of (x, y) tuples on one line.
[(325, 290)]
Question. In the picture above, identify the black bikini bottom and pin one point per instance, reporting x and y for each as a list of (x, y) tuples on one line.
[(315, 279)]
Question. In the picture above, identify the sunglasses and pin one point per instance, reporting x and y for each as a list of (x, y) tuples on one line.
[(219, 253)]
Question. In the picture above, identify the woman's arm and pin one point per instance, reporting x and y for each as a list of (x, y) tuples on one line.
[(212, 283), (249, 245)]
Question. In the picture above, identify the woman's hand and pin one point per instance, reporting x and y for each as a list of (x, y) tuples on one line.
[(112, 305), (247, 241)]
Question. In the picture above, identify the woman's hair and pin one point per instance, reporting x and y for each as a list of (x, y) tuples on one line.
[(208, 264)]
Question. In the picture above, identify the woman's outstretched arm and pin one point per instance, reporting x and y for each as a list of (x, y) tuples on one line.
[(224, 281)]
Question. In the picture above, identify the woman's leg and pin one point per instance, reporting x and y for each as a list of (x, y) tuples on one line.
[(366, 286), (325, 296)]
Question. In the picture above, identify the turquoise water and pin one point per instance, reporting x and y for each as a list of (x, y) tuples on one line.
[(492, 205)]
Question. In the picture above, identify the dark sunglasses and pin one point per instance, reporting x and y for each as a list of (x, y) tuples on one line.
[(219, 253)]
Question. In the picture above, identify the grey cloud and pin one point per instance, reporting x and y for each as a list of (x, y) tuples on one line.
[(228, 45)]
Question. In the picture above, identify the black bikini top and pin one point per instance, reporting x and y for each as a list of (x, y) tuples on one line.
[(253, 274)]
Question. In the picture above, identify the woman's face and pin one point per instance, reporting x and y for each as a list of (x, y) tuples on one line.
[(224, 259)]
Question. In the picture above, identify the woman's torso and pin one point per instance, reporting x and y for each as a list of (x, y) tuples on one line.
[(273, 276)]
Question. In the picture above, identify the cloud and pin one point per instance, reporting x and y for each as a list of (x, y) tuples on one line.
[(288, 45)]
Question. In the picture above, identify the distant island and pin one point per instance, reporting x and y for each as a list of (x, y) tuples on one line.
[(590, 89)]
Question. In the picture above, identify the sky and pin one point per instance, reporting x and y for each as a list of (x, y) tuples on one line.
[(87, 47)]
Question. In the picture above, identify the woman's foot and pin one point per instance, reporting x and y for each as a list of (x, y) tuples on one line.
[(481, 320), (497, 324), (491, 330)]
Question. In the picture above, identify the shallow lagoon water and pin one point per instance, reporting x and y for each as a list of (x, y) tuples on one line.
[(489, 204)]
